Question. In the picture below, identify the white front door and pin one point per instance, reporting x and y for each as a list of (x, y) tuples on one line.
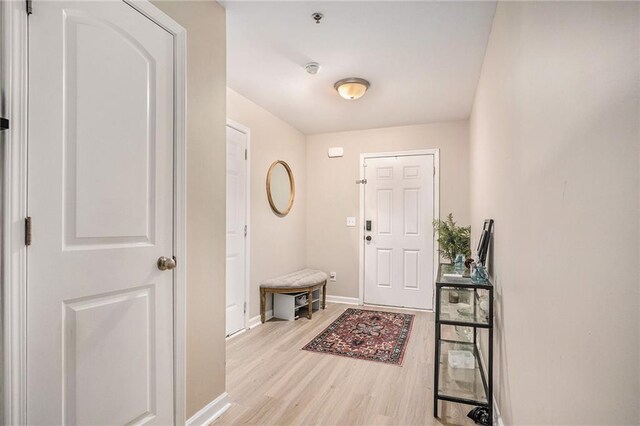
[(100, 194), (399, 248), (236, 229)]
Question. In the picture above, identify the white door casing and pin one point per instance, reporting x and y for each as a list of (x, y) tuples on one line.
[(106, 194), (236, 230), (399, 200)]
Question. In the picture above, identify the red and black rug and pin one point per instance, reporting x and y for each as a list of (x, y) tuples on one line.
[(361, 334)]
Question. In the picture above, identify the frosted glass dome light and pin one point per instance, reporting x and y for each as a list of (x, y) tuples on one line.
[(352, 88)]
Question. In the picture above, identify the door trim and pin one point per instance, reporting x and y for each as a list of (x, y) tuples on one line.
[(14, 193), (436, 207), (14, 40), (247, 245)]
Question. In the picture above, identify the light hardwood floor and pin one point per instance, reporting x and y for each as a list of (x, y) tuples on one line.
[(271, 381)]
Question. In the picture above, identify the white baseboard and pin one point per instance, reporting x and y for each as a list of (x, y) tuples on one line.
[(497, 418), (210, 412), (255, 321), (342, 299), (236, 334)]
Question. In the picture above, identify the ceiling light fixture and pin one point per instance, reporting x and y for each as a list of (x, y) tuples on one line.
[(352, 88)]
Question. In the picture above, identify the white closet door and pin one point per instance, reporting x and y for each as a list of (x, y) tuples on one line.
[(236, 222), (100, 194)]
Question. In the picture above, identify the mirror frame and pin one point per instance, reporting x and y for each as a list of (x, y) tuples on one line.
[(292, 188)]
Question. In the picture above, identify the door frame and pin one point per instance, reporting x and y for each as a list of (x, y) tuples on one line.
[(247, 241), (436, 207), (14, 40)]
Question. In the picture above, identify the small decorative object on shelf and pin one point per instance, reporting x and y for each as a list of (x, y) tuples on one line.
[(484, 241), (468, 262), (480, 416), (459, 263), (479, 274)]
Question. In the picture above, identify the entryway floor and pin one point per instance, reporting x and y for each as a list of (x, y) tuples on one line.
[(271, 381)]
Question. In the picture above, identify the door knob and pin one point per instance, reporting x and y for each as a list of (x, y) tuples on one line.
[(165, 263), (368, 238)]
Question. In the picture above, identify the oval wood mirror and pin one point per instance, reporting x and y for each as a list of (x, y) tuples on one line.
[(281, 188)]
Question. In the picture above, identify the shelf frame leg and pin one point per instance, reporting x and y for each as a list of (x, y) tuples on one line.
[(490, 366), (436, 360)]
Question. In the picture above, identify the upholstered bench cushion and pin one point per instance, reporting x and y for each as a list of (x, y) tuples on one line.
[(301, 278)]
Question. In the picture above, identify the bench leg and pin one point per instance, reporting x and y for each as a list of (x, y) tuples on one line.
[(324, 295), (309, 303), (263, 305)]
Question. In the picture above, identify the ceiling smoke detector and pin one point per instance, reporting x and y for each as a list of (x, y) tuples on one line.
[(317, 16), (312, 68)]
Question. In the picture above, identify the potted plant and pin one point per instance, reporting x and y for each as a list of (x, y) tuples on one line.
[(453, 239)]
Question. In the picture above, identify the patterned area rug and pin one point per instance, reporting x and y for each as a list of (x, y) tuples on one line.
[(371, 335)]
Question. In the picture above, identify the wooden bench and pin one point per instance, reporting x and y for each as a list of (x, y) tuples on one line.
[(304, 280)]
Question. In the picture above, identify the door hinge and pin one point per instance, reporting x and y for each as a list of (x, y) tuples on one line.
[(245, 307), (245, 230), (246, 154), (361, 181), (29, 7), (27, 231)]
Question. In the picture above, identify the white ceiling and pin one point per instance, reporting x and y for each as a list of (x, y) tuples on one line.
[(423, 60)]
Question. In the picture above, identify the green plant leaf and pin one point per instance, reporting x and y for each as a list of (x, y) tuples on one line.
[(453, 239)]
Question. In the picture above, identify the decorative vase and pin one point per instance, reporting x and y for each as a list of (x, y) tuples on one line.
[(479, 274), (459, 263)]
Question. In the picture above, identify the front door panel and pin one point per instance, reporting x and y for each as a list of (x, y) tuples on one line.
[(399, 252)]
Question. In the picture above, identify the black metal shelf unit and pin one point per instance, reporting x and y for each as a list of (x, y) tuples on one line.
[(463, 310)]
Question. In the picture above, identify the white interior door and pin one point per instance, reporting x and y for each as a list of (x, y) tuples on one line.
[(100, 194), (399, 248), (236, 229)]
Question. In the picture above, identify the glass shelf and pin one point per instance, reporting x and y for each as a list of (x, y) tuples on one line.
[(457, 333), (460, 382), (448, 276), (465, 311)]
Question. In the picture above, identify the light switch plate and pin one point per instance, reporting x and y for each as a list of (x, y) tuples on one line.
[(351, 221)]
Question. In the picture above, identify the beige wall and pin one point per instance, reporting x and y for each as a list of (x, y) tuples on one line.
[(554, 157), (277, 243), (206, 148), (333, 194)]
